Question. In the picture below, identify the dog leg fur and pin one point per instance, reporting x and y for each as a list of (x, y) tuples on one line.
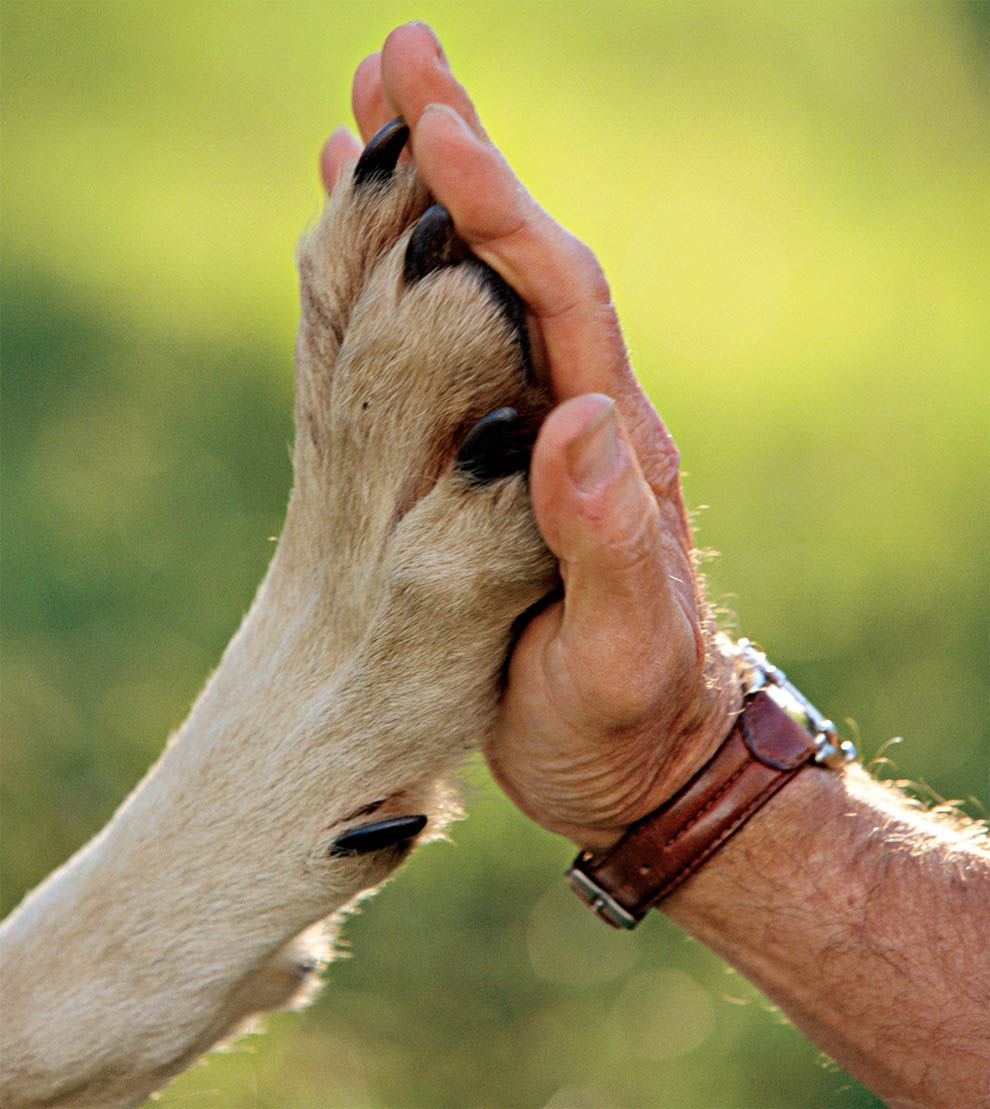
[(368, 664)]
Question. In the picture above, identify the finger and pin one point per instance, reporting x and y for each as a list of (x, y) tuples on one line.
[(338, 151), (557, 276), (551, 270), (369, 104), (624, 571), (415, 73)]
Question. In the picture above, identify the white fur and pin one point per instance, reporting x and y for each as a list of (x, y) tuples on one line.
[(366, 667)]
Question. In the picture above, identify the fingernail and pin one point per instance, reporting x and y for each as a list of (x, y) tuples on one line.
[(594, 455), (441, 56)]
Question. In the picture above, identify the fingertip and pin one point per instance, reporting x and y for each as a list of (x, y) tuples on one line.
[(368, 100), (471, 178), (569, 420), (588, 491), (409, 49), (608, 538), (341, 148), (416, 34), (447, 151), (367, 75), (415, 72), (552, 490)]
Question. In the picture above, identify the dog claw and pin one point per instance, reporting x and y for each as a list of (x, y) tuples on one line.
[(373, 837), (433, 245), (497, 446), (380, 156)]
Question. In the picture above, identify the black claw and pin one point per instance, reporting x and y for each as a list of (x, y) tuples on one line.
[(373, 837), (379, 157), (497, 446), (433, 245)]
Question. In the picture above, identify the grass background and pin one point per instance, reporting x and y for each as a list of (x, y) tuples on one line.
[(790, 201)]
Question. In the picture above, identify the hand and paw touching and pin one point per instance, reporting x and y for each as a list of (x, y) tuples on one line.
[(486, 543), (603, 719), (417, 405)]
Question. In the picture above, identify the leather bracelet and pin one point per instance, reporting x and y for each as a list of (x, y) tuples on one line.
[(777, 733)]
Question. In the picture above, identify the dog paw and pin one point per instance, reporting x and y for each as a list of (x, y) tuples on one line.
[(418, 400)]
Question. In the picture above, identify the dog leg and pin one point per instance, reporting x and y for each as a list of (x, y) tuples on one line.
[(367, 666)]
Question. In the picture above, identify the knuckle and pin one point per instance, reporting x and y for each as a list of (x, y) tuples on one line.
[(633, 548), (595, 284), (665, 464), (659, 455)]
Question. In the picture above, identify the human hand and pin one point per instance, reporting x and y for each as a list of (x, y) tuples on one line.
[(618, 693)]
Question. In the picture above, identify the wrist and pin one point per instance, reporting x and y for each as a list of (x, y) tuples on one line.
[(673, 754), (705, 724), (777, 849), (777, 735)]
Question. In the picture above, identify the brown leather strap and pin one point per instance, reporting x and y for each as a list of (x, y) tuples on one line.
[(764, 750)]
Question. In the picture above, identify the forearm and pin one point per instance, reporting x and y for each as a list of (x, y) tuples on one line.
[(178, 921), (167, 930), (865, 920)]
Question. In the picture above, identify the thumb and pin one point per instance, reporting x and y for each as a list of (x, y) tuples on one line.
[(622, 628)]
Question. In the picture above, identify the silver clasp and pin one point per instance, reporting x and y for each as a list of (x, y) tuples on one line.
[(758, 672), (600, 900)]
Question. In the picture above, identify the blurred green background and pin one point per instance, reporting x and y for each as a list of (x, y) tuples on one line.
[(790, 200)]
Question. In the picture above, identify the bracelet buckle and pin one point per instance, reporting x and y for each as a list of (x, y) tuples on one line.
[(599, 900)]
